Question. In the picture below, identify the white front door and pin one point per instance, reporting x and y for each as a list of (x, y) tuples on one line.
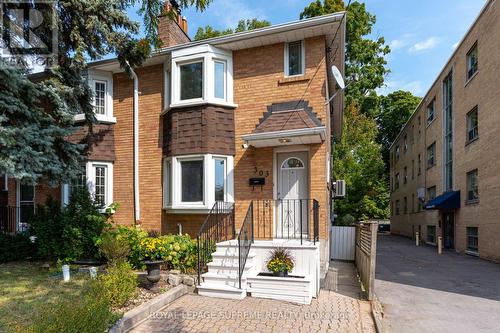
[(292, 205)]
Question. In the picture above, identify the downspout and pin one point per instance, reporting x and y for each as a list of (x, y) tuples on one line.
[(137, 206)]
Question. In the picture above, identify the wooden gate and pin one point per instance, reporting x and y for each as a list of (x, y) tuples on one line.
[(342, 243)]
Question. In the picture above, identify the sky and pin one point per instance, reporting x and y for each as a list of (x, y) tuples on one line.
[(422, 34)]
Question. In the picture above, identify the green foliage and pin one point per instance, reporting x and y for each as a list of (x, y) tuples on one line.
[(396, 109), (280, 260), (119, 284), (113, 247), (15, 247), (133, 236), (87, 313), (70, 233), (346, 220), (243, 25), (365, 57), (357, 159)]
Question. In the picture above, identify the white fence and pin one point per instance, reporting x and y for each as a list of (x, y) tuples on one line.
[(343, 243)]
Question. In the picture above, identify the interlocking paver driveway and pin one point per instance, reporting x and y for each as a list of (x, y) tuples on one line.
[(330, 312)]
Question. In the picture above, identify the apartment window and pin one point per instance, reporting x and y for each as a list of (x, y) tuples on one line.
[(472, 239), (412, 169), (472, 125), (191, 84), (413, 202), (220, 179), (419, 121), (472, 186), (405, 173), (220, 79), (405, 207), (192, 181), (100, 97), (405, 143), (431, 192), (397, 153), (397, 181), (397, 207), (472, 63), (419, 164), (448, 131), (431, 155), (294, 58), (431, 234), (431, 110)]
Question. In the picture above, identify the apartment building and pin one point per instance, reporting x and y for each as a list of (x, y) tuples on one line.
[(242, 119), (444, 171)]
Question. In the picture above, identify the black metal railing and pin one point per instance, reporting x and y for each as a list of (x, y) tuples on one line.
[(218, 227), (245, 241), (287, 219)]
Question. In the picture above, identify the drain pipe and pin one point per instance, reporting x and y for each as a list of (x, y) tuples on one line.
[(137, 206)]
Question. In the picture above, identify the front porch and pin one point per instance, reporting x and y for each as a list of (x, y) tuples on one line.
[(231, 260)]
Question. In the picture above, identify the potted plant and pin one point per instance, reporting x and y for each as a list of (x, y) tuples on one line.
[(153, 251), (280, 262)]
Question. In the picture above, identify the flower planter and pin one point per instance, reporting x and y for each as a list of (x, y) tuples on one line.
[(280, 274), (153, 268), (293, 288)]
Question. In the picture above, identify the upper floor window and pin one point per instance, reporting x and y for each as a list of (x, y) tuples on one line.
[(472, 186), (472, 63), (431, 155), (405, 147), (397, 181), (472, 125), (397, 153), (200, 74), (431, 192), (397, 207), (294, 58), (100, 97), (101, 84), (191, 80), (405, 179), (431, 110)]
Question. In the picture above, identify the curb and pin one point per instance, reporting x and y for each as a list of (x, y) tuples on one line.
[(136, 316), (378, 314)]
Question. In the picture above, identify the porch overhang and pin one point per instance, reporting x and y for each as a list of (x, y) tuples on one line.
[(286, 138)]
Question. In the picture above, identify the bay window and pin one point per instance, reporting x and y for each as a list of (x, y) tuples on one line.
[(200, 75), (196, 182)]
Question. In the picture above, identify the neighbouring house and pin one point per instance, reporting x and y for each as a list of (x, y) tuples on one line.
[(243, 120), (444, 175)]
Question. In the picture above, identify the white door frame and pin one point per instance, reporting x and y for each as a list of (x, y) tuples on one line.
[(287, 149), (18, 203)]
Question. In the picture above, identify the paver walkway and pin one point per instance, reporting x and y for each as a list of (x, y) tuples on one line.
[(330, 312), (422, 291)]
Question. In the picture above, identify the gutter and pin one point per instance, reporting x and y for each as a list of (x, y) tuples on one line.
[(137, 206)]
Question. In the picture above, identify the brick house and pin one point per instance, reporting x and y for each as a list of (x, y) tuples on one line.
[(241, 119), (444, 180)]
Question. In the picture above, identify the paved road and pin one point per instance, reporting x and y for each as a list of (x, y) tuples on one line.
[(424, 292)]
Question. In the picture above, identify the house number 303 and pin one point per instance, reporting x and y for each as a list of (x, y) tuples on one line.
[(261, 172)]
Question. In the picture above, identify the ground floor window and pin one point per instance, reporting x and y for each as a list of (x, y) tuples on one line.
[(98, 178), (26, 204), (472, 239), (431, 234), (197, 181)]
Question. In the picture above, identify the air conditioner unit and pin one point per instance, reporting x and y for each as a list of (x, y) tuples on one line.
[(340, 188)]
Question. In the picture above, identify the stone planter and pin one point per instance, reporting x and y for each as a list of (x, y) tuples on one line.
[(153, 268)]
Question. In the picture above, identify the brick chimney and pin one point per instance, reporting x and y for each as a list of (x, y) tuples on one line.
[(172, 28)]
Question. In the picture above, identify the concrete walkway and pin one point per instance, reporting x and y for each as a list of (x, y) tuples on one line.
[(422, 291), (331, 312)]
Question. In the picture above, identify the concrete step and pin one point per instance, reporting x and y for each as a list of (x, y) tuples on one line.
[(221, 291)]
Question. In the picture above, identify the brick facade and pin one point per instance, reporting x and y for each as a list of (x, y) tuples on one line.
[(482, 90)]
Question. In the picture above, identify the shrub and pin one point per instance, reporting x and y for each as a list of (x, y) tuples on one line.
[(346, 220), (15, 247), (119, 284), (114, 247), (178, 251), (280, 260), (70, 233), (89, 313), (134, 236)]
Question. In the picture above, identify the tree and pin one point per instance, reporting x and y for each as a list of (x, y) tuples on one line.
[(365, 57), (395, 110), (357, 159), (243, 25), (37, 116)]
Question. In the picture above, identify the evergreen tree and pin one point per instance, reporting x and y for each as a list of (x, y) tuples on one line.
[(243, 25)]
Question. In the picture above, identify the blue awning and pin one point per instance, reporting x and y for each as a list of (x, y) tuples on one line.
[(447, 200)]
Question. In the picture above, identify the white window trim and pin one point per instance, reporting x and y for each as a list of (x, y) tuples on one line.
[(90, 174), (23, 227), (286, 69), (177, 206), (107, 77), (208, 54), (224, 62)]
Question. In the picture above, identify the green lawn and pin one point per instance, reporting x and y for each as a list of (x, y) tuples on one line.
[(24, 289)]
